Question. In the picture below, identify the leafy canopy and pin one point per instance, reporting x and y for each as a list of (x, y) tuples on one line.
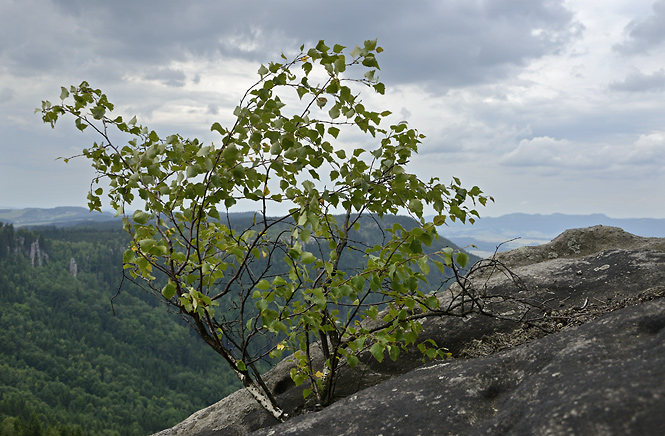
[(277, 285)]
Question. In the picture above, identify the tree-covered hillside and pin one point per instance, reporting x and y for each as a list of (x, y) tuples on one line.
[(77, 357), (66, 357)]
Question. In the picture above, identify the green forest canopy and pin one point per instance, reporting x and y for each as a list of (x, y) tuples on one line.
[(69, 359)]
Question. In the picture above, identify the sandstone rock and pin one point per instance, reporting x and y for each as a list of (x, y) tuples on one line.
[(580, 275), (37, 253), (606, 377), (576, 243), (73, 268)]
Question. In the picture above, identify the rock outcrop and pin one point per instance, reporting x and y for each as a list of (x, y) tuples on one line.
[(37, 253), (73, 267), (606, 377), (578, 347)]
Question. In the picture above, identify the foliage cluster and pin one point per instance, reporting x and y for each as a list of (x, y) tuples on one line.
[(281, 276)]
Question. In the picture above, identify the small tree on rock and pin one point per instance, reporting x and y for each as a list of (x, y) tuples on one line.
[(276, 286)]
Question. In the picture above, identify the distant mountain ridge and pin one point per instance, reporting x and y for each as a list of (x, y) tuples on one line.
[(58, 216), (64, 216), (486, 234)]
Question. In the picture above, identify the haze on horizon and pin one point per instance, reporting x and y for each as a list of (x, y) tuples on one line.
[(547, 105)]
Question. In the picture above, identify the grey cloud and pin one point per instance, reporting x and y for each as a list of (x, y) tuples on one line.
[(6, 94), (444, 44), (644, 34), (164, 30), (645, 153), (447, 44), (539, 152), (168, 77), (647, 150), (212, 109), (639, 82), (39, 39)]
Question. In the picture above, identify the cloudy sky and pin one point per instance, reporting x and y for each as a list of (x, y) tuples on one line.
[(547, 105)]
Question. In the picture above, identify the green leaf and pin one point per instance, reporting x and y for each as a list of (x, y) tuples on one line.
[(462, 259), (370, 61), (416, 206), (393, 351), (340, 65), (422, 264), (128, 256), (439, 220), (146, 244), (216, 127), (278, 326), (80, 124), (169, 290), (302, 91), (278, 281), (193, 171), (307, 257), (322, 47), (475, 191), (377, 351), (63, 93), (372, 312), (98, 112), (448, 259), (297, 376), (141, 217), (439, 266), (318, 298), (263, 285)]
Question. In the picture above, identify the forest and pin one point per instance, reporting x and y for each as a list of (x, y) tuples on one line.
[(86, 352), (84, 358)]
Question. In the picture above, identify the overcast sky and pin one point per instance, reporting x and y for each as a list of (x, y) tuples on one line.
[(547, 105)]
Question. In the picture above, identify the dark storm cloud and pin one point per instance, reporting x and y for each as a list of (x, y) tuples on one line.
[(639, 82), (644, 34), (440, 42)]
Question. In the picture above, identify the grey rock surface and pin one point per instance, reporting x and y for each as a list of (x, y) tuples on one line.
[(580, 273), (606, 377)]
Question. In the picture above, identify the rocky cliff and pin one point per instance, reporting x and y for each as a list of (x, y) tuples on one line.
[(570, 339)]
